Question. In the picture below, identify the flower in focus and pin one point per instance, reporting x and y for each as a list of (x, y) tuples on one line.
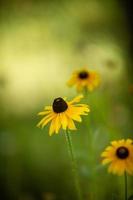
[(63, 114), (84, 79), (120, 156)]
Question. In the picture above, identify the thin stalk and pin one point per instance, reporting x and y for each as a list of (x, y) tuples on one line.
[(125, 180), (74, 164), (85, 92)]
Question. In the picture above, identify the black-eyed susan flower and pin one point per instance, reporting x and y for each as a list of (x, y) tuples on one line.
[(84, 79), (63, 113), (120, 156)]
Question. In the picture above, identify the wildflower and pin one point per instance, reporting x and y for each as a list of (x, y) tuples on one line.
[(84, 79), (63, 113), (120, 156)]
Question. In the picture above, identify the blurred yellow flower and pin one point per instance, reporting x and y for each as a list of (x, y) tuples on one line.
[(84, 79), (62, 113), (120, 156)]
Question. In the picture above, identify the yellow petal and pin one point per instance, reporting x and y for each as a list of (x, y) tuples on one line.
[(71, 124), (76, 99), (120, 168), (121, 142), (72, 81), (44, 112), (129, 165), (110, 169), (75, 112), (104, 154), (129, 141), (73, 115), (57, 123), (52, 127), (63, 120), (106, 160), (114, 143), (45, 120), (81, 105), (76, 118), (109, 148), (79, 110), (48, 107)]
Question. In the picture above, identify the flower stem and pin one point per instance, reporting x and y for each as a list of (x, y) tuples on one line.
[(125, 180), (74, 164)]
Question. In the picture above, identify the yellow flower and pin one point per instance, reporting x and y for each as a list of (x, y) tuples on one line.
[(84, 79), (62, 114), (120, 156)]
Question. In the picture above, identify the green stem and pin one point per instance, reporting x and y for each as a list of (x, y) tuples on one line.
[(74, 164), (85, 93), (125, 180)]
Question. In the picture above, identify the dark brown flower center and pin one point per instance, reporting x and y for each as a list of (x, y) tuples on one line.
[(83, 75), (59, 105), (122, 152)]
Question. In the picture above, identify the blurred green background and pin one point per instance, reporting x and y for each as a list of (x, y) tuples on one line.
[(41, 44)]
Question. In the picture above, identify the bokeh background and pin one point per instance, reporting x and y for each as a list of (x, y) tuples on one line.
[(41, 43)]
